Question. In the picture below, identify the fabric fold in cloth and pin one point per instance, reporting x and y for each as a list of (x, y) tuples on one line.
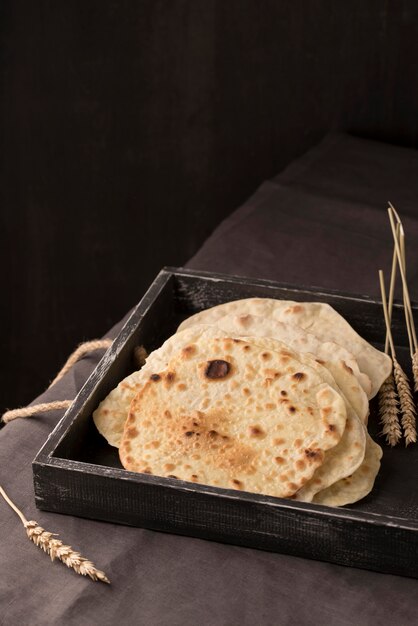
[(300, 228)]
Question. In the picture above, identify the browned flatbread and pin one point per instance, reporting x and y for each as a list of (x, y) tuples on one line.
[(226, 412), (318, 318), (357, 486)]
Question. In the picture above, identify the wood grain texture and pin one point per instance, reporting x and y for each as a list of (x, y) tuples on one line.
[(130, 129), (78, 473)]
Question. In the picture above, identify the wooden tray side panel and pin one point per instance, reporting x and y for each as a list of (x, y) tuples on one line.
[(294, 531), (194, 292), (144, 327)]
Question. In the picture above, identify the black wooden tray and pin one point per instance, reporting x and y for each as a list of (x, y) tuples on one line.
[(78, 473)]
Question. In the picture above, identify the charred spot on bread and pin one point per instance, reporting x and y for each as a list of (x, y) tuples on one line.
[(132, 432), (217, 369), (299, 376), (313, 454), (189, 351), (256, 431)]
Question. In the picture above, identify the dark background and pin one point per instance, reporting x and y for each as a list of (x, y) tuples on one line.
[(130, 129)]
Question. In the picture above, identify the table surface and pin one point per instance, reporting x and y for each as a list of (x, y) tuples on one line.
[(322, 222)]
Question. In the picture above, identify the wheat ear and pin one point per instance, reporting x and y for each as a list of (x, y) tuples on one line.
[(55, 548), (388, 403), (406, 402), (388, 412)]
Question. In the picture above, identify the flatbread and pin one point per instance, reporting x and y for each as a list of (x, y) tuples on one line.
[(318, 318), (227, 413), (339, 361), (344, 458), (359, 485), (111, 414)]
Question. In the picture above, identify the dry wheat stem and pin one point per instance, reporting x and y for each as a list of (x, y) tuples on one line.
[(388, 412), (408, 314), (400, 235), (410, 325), (406, 402), (407, 301), (55, 548), (392, 288), (409, 317), (386, 313)]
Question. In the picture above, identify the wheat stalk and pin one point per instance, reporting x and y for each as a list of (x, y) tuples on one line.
[(406, 402), (392, 288), (399, 241), (400, 253), (388, 403), (388, 411), (55, 548)]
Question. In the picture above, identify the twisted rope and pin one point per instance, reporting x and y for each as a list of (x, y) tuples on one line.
[(28, 411), (80, 352)]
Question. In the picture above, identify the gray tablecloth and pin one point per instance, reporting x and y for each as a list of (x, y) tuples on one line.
[(321, 222)]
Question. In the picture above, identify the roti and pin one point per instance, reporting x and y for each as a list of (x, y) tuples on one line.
[(347, 470), (111, 414), (339, 361), (344, 458), (355, 487), (228, 413), (318, 318)]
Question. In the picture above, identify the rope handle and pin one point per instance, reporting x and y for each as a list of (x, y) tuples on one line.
[(79, 353)]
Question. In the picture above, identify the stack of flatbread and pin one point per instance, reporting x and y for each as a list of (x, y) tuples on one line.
[(261, 395)]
